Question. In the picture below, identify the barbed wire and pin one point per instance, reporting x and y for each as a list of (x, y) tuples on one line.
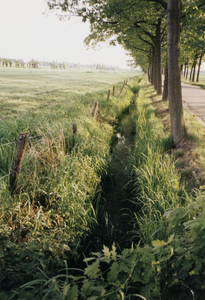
[(31, 137), (25, 163), (8, 143), (35, 137), (5, 176)]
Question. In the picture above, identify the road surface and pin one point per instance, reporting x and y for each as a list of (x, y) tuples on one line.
[(194, 101)]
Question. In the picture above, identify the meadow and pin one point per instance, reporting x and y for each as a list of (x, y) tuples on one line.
[(24, 89), (47, 225)]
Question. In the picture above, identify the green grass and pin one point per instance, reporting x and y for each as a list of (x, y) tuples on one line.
[(155, 179), (25, 89), (61, 175), (59, 193), (41, 227)]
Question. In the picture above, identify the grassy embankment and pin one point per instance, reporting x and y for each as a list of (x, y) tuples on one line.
[(61, 175), (168, 218), (168, 221)]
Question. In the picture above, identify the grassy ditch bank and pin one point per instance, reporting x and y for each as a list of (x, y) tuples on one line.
[(54, 206), (163, 257), (168, 262)]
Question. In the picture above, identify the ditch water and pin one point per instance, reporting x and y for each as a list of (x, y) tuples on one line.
[(114, 218)]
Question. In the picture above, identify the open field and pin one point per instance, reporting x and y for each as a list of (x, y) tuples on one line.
[(24, 89)]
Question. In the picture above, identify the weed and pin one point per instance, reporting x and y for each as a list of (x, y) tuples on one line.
[(178, 153), (180, 164)]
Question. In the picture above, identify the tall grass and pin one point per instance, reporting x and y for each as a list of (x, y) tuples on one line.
[(155, 179), (61, 175), (72, 169)]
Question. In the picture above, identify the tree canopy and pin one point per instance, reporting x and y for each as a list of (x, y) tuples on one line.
[(141, 28)]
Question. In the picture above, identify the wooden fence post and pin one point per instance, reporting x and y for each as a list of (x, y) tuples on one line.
[(108, 95), (95, 110), (20, 150), (113, 90), (75, 128), (122, 87)]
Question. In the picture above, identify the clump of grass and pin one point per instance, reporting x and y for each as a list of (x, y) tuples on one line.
[(179, 163), (178, 153)]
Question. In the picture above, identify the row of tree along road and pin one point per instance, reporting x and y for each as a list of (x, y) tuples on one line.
[(157, 33)]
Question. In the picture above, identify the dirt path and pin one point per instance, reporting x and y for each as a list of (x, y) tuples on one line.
[(194, 101)]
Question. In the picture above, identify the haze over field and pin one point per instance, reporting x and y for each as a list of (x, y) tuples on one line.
[(27, 33)]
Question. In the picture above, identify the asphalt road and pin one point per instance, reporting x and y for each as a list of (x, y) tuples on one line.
[(194, 101)]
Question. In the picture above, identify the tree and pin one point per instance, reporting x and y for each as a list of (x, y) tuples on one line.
[(33, 63), (174, 71), (143, 20), (193, 42)]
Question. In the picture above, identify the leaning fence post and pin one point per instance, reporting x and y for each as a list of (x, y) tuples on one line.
[(108, 95), (95, 110), (75, 129), (20, 150), (122, 87), (113, 90)]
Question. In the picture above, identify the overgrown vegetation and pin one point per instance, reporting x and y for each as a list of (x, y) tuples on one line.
[(57, 203), (54, 205)]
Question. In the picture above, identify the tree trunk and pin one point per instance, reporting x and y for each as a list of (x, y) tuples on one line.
[(185, 67), (187, 70), (194, 68), (181, 69), (193, 72), (165, 91), (158, 59), (152, 67), (150, 64), (199, 66), (174, 72), (190, 76)]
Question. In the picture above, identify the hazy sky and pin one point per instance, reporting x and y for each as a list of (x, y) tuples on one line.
[(26, 33)]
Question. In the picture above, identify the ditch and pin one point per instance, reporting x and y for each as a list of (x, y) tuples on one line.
[(114, 217)]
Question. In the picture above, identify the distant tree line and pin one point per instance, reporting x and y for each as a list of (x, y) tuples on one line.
[(19, 63)]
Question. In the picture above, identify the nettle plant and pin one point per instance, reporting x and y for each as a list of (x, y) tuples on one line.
[(108, 275)]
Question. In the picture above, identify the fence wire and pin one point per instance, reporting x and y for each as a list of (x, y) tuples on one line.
[(8, 144), (5, 176)]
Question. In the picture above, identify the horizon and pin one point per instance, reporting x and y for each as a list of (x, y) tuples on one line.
[(30, 32)]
